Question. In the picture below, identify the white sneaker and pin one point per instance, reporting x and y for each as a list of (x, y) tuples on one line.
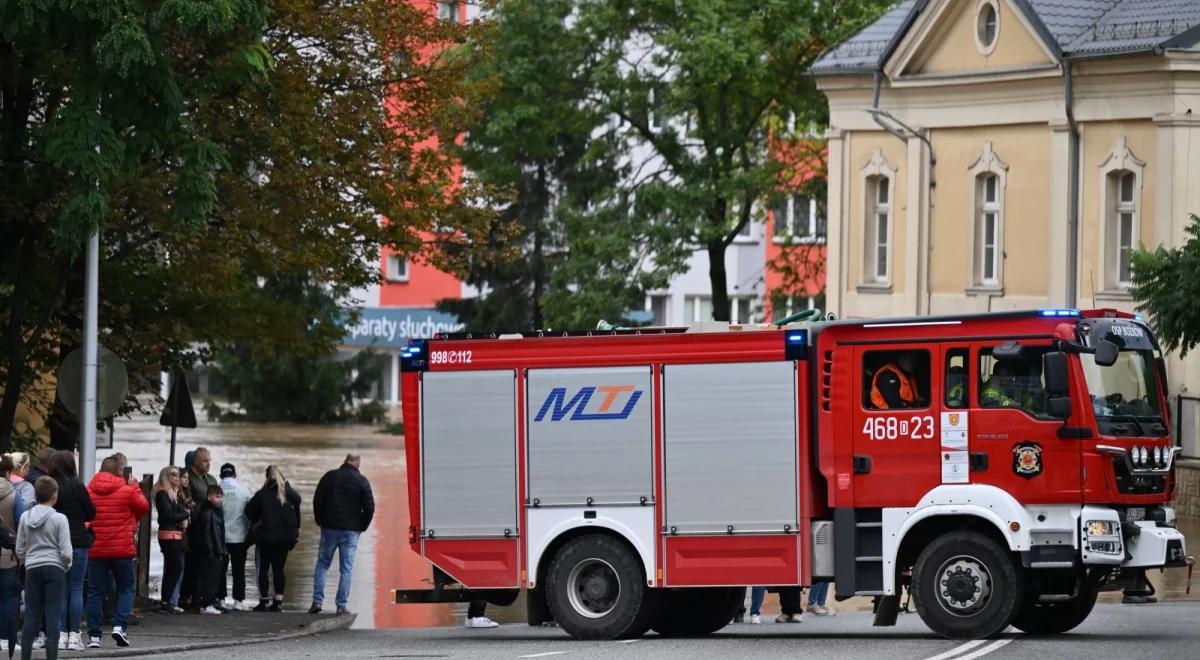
[(481, 622), (210, 610), (119, 636), (74, 642), (39, 642), (755, 619), (62, 641), (820, 610), (228, 603), (788, 618), (93, 642)]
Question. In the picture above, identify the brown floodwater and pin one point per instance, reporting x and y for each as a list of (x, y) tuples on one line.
[(384, 561), (305, 453)]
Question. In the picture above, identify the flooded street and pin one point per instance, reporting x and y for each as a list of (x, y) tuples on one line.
[(305, 453), (384, 561)]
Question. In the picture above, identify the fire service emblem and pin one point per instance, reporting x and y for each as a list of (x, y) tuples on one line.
[(1027, 459)]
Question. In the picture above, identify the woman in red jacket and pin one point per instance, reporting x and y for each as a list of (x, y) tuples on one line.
[(119, 506)]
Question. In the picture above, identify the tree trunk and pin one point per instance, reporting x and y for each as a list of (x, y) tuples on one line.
[(15, 345), (718, 279)]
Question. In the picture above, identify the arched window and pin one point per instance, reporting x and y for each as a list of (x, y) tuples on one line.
[(990, 176), (1121, 205), (879, 192)]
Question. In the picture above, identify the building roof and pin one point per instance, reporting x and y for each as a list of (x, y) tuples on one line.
[(1077, 28)]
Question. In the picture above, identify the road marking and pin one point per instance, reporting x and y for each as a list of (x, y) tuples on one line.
[(628, 641), (994, 646), (958, 649), (969, 654), (542, 655)]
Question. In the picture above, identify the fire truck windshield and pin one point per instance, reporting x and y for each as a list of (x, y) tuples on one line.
[(1125, 396)]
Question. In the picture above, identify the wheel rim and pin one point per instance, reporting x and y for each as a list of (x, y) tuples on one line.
[(964, 585), (593, 588)]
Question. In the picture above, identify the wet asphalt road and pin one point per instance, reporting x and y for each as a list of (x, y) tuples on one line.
[(1165, 630)]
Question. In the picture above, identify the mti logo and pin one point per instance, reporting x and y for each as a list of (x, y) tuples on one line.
[(559, 407)]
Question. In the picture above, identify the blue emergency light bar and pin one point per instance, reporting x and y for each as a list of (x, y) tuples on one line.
[(795, 344), (411, 358), (1058, 312)]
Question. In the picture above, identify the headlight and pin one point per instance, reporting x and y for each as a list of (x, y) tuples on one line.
[(1101, 528), (1141, 455), (1158, 455)]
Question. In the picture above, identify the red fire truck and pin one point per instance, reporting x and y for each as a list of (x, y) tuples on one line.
[(635, 480)]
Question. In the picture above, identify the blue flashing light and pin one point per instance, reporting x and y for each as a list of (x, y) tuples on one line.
[(1138, 317), (1058, 312), (795, 344)]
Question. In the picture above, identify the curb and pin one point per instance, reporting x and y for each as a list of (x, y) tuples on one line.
[(317, 627)]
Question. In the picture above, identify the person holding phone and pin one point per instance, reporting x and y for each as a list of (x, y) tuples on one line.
[(119, 505)]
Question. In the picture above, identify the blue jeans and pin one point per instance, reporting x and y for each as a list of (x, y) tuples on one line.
[(757, 594), (817, 594), (102, 573), (72, 604), (10, 602), (346, 543)]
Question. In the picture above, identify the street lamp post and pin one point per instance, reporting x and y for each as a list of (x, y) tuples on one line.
[(87, 413)]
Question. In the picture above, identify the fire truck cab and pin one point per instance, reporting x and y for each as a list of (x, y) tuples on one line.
[(1003, 468)]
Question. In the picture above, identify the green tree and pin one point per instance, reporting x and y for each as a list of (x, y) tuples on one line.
[(1166, 285), (300, 382), (704, 85), (538, 145), (219, 145)]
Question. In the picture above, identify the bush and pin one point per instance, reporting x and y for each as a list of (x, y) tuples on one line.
[(371, 412)]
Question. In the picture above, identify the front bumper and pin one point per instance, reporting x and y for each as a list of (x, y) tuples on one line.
[(1154, 546)]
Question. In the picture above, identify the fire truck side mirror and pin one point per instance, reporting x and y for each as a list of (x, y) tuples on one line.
[(1106, 353), (1059, 407), (1058, 385), (1054, 368)]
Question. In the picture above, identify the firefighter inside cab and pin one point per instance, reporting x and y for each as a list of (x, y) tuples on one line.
[(1014, 384), (895, 384)]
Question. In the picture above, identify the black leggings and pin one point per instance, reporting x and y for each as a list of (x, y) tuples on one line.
[(271, 560)]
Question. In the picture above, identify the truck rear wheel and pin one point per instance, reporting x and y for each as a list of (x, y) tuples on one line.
[(1036, 618), (596, 589), (697, 611), (966, 586)]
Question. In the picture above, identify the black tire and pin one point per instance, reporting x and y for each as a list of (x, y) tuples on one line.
[(966, 586), (1035, 618), (596, 589), (697, 611)]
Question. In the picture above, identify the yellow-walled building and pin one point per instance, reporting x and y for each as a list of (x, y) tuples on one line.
[(1008, 154)]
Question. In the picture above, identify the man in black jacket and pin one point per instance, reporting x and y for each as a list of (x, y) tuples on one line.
[(343, 507)]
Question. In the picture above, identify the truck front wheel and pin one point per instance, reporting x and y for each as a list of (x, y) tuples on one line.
[(596, 589), (966, 586), (1037, 618)]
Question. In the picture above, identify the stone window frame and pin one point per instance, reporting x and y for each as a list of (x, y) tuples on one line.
[(986, 49), (870, 174), (987, 163), (1120, 161)]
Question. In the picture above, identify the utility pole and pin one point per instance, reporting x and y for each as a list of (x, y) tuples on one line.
[(91, 320)]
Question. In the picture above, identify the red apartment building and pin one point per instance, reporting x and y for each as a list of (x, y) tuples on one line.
[(795, 249)]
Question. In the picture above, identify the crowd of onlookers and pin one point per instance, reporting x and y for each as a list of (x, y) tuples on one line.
[(58, 535)]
